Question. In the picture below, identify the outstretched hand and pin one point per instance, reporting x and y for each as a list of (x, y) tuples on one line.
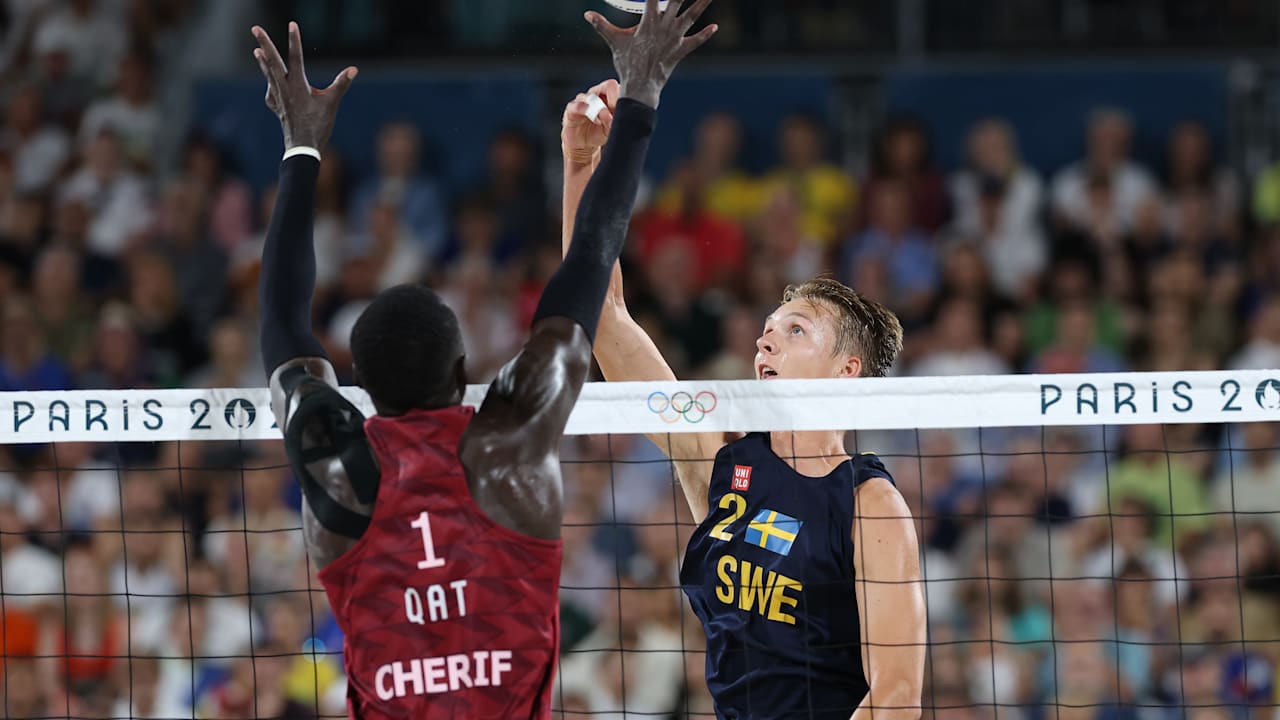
[(580, 136), (646, 54), (306, 114)]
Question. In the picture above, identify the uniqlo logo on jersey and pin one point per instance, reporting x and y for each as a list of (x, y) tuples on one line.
[(742, 477)]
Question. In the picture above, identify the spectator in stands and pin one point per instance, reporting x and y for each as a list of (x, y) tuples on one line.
[(1071, 282), (1092, 666), (1146, 243), (64, 314), (394, 255), (738, 333), (781, 242), (331, 219), (1086, 686), (1106, 175), (120, 359), (997, 659), (727, 191), (642, 622), (260, 543), (198, 265), (1169, 343), (230, 359), (25, 361), (1077, 349), (22, 227), (1127, 530), (307, 678), (91, 487), (519, 195), (231, 624), (84, 646), (894, 239), (38, 149), (997, 202), (826, 193), (669, 300), (130, 112), (585, 574), (965, 275), (956, 343), (24, 692), (169, 337), (92, 32), (1266, 196), (1195, 230), (400, 184), (1191, 168), (902, 155), (141, 560), (140, 695), (716, 245), (1262, 351), (1251, 483), (227, 200), (32, 577), (1163, 481), (486, 317), (1196, 680), (116, 197)]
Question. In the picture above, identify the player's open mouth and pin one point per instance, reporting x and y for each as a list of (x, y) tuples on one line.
[(767, 372)]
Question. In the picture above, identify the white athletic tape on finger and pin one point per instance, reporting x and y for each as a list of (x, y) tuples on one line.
[(594, 107)]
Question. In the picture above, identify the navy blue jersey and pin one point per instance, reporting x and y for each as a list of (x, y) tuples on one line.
[(770, 574)]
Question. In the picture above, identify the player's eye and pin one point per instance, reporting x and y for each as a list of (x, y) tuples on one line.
[(797, 330)]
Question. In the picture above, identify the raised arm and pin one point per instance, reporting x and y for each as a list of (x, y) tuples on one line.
[(323, 432), (527, 406), (622, 348), (891, 609)]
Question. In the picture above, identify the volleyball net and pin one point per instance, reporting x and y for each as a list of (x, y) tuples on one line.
[(1093, 545)]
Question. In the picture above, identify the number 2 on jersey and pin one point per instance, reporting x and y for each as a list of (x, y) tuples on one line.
[(739, 503), (428, 545)]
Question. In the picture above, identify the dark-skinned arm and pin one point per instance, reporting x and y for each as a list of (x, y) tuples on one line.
[(527, 407), (318, 424)]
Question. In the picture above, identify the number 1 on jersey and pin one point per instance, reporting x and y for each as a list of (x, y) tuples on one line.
[(428, 545)]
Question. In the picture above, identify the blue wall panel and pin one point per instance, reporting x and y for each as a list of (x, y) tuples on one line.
[(1049, 105)]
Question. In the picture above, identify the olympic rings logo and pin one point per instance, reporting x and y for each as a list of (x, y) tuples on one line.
[(693, 408)]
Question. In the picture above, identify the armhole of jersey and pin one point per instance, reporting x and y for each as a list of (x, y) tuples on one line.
[(867, 466), (344, 425)]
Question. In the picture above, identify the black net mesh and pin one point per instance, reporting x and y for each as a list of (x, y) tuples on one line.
[(1125, 572)]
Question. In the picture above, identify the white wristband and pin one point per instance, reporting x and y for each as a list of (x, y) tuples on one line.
[(301, 150)]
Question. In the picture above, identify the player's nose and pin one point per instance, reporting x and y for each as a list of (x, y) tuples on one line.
[(765, 344)]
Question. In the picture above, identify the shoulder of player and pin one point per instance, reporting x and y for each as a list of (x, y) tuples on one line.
[(289, 383), (877, 497)]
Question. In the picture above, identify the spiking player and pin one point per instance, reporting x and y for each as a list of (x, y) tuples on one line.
[(435, 527), (804, 570)]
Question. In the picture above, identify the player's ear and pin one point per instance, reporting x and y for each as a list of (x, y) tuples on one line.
[(851, 367)]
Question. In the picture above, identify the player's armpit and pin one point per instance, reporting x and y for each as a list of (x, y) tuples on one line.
[(891, 606)]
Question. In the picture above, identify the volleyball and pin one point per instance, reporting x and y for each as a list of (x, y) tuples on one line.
[(634, 6)]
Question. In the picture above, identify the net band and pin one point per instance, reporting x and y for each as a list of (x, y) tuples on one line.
[(694, 406)]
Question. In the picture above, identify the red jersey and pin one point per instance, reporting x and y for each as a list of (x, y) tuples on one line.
[(446, 613)]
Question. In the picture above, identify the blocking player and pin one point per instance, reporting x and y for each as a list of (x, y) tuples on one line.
[(804, 570), (435, 527)]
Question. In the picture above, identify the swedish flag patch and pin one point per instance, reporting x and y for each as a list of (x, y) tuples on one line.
[(773, 531)]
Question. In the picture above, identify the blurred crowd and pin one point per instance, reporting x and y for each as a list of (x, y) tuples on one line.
[(158, 581)]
